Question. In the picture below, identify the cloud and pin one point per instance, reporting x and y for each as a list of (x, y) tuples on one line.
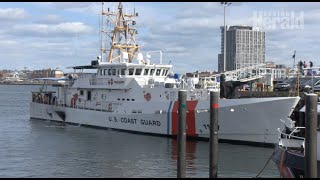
[(50, 19), (198, 29), (82, 7), (298, 6), (61, 29), (46, 53), (71, 5), (8, 44), (12, 14), (186, 36)]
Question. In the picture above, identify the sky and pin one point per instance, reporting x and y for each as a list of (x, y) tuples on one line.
[(39, 35)]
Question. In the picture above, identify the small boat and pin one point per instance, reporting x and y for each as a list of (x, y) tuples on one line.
[(289, 154)]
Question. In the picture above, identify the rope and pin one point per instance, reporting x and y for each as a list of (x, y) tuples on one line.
[(265, 165)]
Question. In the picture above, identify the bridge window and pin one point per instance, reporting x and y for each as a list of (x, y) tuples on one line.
[(138, 72), (131, 71), (163, 72), (166, 72), (114, 72), (89, 96), (158, 72), (109, 72), (105, 72), (123, 71), (146, 71), (152, 72)]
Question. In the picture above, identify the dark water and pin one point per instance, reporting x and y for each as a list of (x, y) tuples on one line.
[(37, 148)]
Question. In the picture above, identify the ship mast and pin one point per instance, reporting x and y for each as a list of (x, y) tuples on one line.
[(122, 36), (103, 51)]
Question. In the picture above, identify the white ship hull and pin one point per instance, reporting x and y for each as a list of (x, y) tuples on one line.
[(129, 91), (251, 120)]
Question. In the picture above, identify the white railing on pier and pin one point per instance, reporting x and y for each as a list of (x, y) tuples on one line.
[(244, 74)]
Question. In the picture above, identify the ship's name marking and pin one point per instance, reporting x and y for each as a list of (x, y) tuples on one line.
[(146, 122)]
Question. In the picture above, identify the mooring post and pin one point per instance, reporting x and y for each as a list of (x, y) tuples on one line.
[(311, 136), (213, 151), (182, 111)]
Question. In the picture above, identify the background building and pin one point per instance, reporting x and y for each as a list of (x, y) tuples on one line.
[(245, 46), (47, 73)]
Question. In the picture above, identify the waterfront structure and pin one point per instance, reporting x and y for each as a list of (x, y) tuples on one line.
[(47, 73)]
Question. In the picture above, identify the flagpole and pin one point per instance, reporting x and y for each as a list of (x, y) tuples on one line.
[(294, 60)]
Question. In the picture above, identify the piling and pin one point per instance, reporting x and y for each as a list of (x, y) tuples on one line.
[(311, 136), (213, 152), (182, 111)]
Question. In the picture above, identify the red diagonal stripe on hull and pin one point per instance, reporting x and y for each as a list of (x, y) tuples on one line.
[(191, 124), (174, 119)]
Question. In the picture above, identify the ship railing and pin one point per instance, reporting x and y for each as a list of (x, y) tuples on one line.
[(183, 84), (151, 83), (290, 140), (44, 97), (107, 106), (149, 56)]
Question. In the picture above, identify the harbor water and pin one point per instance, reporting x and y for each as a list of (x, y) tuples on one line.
[(38, 148)]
